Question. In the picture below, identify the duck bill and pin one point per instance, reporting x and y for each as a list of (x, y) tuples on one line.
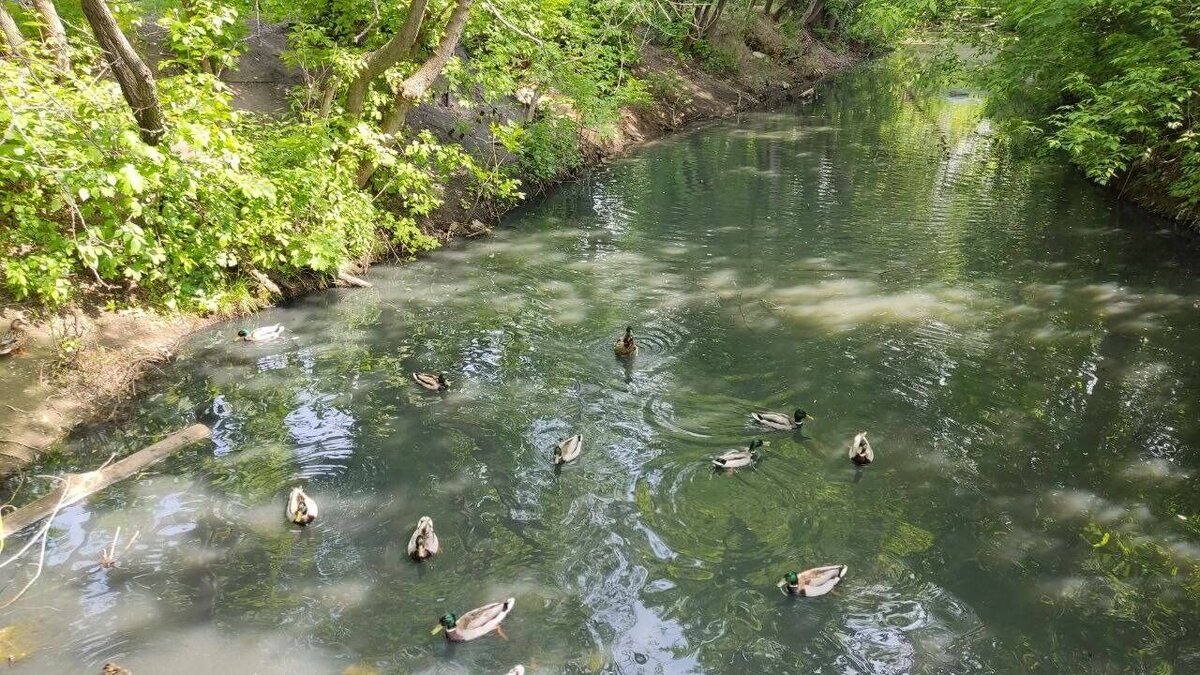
[(436, 629)]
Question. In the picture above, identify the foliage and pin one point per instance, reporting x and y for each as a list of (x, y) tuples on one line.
[(1111, 83), (882, 23), (87, 206), (204, 35), (548, 148)]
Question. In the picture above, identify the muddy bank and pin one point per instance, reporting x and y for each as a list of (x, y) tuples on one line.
[(81, 366)]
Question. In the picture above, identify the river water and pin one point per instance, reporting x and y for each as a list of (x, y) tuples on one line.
[(1021, 348)]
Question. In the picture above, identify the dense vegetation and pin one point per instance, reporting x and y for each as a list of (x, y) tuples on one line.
[(1114, 84), (128, 177)]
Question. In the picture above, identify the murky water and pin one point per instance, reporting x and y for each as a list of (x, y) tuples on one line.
[(1022, 350)]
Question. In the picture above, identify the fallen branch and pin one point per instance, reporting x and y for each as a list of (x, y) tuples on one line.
[(350, 280), (271, 286), (77, 486)]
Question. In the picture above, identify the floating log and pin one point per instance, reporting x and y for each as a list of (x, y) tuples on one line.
[(78, 486)]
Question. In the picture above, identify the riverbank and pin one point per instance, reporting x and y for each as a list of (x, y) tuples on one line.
[(82, 365)]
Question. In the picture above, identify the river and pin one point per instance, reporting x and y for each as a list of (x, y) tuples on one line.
[(1021, 348)]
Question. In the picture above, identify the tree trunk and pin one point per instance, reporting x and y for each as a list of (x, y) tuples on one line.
[(711, 18), (136, 80), (414, 86), (782, 9), (767, 7), (54, 34), (815, 8), (399, 47), (12, 35)]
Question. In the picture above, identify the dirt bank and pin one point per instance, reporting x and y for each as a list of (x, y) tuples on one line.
[(83, 365)]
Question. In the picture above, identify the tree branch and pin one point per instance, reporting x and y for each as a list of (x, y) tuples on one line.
[(399, 47)]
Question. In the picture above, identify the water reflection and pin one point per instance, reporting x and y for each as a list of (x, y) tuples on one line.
[(1026, 369)]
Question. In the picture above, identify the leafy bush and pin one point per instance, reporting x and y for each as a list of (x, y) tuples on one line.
[(204, 35), (1112, 83), (86, 206), (547, 149)]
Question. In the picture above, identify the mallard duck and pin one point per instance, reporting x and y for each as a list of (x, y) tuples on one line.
[(736, 459), (516, 670), (626, 346), (15, 338), (423, 544), (301, 509), (264, 334), (568, 449), (860, 450), (780, 421), (475, 623), (814, 582), (431, 381)]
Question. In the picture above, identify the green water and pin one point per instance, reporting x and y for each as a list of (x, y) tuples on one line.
[(1022, 350)]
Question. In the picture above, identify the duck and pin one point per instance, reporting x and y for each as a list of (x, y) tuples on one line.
[(516, 670), (626, 346), (568, 449), (423, 544), (113, 669), (301, 509), (264, 334), (475, 623), (431, 381), (813, 582), (860, 450), (779, 421), (737, 459), (16, 337)]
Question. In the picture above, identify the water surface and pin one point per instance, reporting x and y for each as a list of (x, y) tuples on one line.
[(1022, 350)]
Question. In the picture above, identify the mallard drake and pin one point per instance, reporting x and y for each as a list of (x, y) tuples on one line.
[(431, 381), (264, 334), (16, 337), (860, 450), (779, 421), (423, 544), (814, 582), (626, 346), (301, 509), (568, 449), (475, 623), (736, 459)]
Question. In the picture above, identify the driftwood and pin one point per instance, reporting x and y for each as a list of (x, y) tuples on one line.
[(77, 486), (351, 280), (271, 286)]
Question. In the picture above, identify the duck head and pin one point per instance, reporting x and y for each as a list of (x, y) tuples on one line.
[(449, 621), (800, 415), (791, 578), (242, 334)]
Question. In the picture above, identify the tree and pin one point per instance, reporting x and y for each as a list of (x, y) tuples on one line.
[(134, 77), (392, 52), (54, 34), (12, 35), (414, 86)]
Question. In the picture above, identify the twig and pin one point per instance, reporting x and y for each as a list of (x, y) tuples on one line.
[(23, 445), (44, 535)]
